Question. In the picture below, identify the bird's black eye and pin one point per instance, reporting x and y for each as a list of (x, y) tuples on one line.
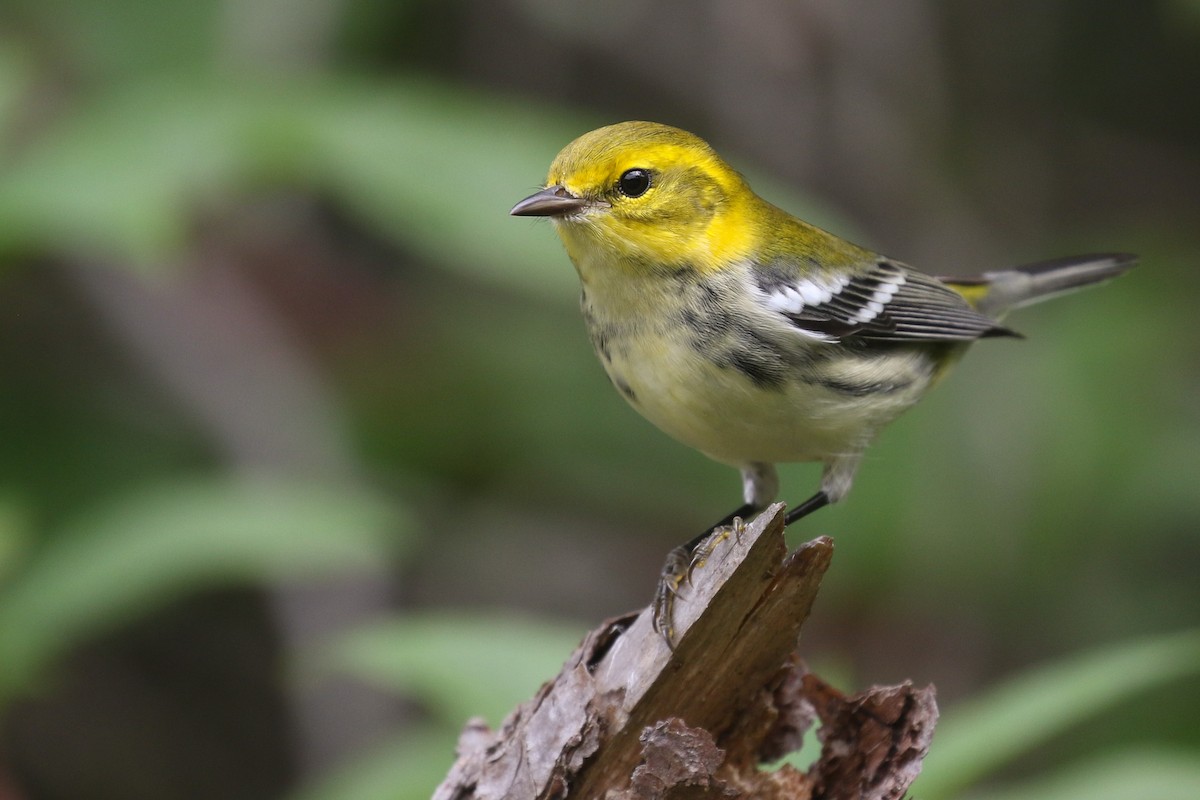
[(633, 182)]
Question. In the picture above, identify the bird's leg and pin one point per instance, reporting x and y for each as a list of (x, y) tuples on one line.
[(685, 559), (835, 482), (760, 484), (818, 500)]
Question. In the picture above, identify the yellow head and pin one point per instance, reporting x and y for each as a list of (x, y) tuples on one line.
[(645, 195)]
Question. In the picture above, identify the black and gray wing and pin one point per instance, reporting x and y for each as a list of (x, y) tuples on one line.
[(886, 302)]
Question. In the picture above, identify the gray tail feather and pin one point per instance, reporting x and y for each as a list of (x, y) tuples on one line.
[(1031, 283)]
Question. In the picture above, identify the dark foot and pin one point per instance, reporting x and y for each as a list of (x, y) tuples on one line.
[(687, 558), (677, 572)]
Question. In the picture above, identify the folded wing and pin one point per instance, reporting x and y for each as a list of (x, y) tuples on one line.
[(886, 301)]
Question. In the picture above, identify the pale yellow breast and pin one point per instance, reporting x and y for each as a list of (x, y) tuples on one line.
[(677, 365)]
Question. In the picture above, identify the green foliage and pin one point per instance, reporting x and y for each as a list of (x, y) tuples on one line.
[(1152, 775), (976, 739), (14, 537), (459, 665), (98, 184), (15, 76), (144, 550), (406, 768)]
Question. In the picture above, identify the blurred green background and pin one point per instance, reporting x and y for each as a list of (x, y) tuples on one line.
[(305, 459)]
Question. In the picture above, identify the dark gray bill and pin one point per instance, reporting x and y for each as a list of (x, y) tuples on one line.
[(552, 201)]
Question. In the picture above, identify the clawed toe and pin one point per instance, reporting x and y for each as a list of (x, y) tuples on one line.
[(682, 563)]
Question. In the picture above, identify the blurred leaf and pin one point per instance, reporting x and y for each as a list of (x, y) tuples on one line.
[(977, 737), (426, 163), (15, 79), (462, 666), (438, 168), (408, 768), (118, 178), (14, 538), (1150, 775), (150, 548), (119, 38)]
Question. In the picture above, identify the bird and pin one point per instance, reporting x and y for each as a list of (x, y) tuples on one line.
[(751, 335)]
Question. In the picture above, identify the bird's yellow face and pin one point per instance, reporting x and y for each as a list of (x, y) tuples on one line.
[(648, 197)]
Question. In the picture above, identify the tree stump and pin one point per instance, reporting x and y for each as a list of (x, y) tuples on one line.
[(629, 718)]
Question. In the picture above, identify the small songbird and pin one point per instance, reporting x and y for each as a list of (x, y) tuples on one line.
[(751, 335)]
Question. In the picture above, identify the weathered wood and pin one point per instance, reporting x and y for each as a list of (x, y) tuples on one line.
[(628, 718)]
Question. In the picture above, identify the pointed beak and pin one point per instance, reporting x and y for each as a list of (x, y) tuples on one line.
[(553, 201)]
